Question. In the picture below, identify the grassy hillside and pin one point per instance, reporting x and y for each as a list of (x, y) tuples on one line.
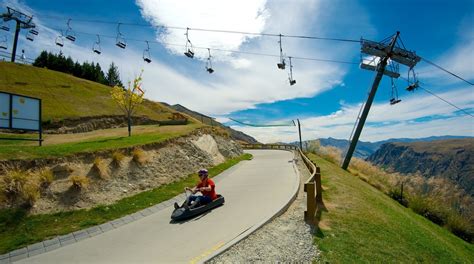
[(364, 225), (66, 96)]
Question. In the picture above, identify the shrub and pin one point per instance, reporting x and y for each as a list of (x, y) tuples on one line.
[(139, 156), (460, 227), (45, 177), (79, 182), (117, 158), (101, 167), (19, 186)]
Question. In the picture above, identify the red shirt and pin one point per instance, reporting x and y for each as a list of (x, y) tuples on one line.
[(208, 183)]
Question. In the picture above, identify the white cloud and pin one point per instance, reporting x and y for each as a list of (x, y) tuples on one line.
[(384, 121), (248, 15)]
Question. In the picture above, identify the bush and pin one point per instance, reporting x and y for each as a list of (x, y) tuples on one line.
[(101, 168), (460, 227), (45, 177), (79, 182), (19, 186), (139, 156), (117, 158)]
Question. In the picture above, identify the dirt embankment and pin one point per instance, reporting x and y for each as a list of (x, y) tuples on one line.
[(163, 163)]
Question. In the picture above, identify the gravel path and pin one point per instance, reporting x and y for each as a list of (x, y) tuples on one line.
[(285, 239)]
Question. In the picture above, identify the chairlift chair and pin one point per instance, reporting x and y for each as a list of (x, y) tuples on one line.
[(412, 82), (120, 40), (209, 68), (96, 46), (394, 98), (4, 27), (34, 32), (70, 35), (59, 41), (281, 65), (189, 51), (290, 75), (146, 53), (3, 43), (30, 36)]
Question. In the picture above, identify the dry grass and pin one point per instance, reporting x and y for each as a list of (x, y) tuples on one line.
[(101, 167), (117, 158), (438, 199), (139, 156), (19, 186), (45, 177), (79, 182)]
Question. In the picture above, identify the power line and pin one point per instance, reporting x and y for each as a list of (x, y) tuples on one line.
[(208, 30), (443, 69)]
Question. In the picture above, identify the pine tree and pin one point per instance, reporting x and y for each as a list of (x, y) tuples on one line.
[(41, 60), (113, 76)]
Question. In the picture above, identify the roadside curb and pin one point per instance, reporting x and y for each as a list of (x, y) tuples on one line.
[(257, 226)]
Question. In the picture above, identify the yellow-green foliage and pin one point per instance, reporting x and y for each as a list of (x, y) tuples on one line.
[(139, 156), (18, 185), (101, 167), (79, 182), (45, 176), (117, 158)]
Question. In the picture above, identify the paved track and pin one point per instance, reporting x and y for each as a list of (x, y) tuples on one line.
[(254, 191)]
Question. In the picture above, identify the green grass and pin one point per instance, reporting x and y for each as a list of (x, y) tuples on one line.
[(18, 230), (363, 225), (103, 143), (65, 96)]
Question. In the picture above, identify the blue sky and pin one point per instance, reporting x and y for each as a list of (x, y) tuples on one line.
[(250, 88)]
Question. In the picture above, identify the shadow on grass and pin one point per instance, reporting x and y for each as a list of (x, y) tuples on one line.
[(320, 208)]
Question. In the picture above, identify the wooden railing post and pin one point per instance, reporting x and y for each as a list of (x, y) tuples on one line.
[(310, 202), (319, 188)]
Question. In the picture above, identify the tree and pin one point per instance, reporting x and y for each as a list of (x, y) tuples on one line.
[(128, 99), (42, 60), (113, 76)]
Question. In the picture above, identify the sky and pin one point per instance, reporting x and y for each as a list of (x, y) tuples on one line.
[(250, 88)]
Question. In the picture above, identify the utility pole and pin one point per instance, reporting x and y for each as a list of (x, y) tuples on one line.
[(22, 21), (385, 52), (299, 132)]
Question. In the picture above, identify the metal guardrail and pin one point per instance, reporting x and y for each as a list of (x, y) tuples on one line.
[(312, 187)]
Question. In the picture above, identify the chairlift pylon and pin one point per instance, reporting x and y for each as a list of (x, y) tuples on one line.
[(4, 43), (120, 40), (413, 82), (189, 50), (281, 64), (96, 46), (209, 68), (146, 53), (290, 75), (59, 40), (70, 34), (394, 98)]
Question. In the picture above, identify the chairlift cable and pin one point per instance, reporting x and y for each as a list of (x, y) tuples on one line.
[(261, 125), (225, 50), (211, 30), (445, 70), (446, 101)]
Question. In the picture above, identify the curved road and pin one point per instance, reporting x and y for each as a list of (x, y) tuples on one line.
[(254, 191)]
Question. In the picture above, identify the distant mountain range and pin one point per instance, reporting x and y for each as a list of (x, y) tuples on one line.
[(234, 134), (450, 158), (365, 149)]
